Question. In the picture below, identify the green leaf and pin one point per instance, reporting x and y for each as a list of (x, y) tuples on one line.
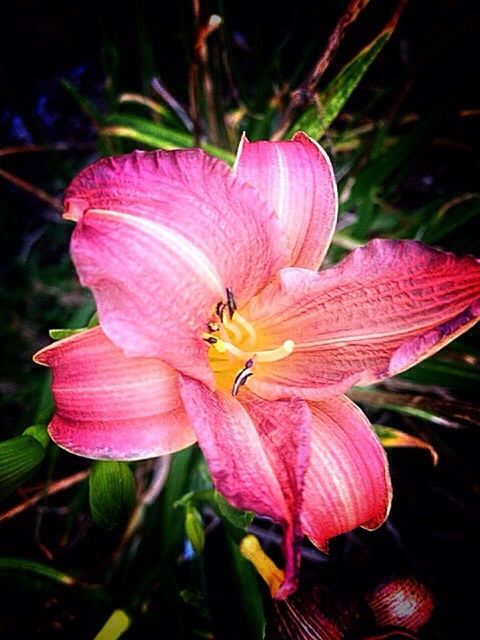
[(456, 375), (194, 529), (249, 593), (60, 334), (395, 438), (93, 322), (13, 565), (447, 413), (185, 501), (316, 119), (237, 518), (85, 105), (39, 432), (229, 514), (146, 132), (19, 459), (45, 405), (112, 493), (383, 171), (115, 626), (393, 159), (452, 215), (157, 136)]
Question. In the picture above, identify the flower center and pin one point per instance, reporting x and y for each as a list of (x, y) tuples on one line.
[(235, 348)]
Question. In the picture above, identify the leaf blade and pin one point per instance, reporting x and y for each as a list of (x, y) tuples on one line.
[(20, 457)]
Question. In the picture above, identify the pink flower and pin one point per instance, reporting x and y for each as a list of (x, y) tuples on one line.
[(216, 326)]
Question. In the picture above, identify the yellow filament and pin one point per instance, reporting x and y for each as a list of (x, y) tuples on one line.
[(247, 327), (232, 328), (268, 355), (233, 350), (234, 343)]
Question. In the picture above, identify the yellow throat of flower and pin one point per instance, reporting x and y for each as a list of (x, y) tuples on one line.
[(235, 347)]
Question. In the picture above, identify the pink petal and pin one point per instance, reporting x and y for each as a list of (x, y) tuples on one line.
[(347, 483), (160, 236), (384, 308), (296, 178), (257, 453), (109, 406)]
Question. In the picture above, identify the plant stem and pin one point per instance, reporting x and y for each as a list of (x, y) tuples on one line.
[(54, 487)]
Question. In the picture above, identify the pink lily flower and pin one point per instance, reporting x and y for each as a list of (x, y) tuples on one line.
[(216, 326)]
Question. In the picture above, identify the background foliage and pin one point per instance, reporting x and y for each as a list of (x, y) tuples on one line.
[(396, 108)]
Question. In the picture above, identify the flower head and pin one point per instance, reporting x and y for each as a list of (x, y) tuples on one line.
[(216, 326)]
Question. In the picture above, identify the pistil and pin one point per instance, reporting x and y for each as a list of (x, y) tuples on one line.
[(267, 355)]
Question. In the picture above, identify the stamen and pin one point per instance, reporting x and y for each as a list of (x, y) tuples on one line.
[(219, 309), (235, 351), (273, 355), (223, 334), (240, 379), (220, 346), (231, 304), (269, 355), (248, 328), (232, 328), (236, 339)]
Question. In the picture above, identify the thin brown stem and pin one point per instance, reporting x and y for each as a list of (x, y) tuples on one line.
[(304, 94), (49, 490), (32, 189), (35, 148), (352, 12), (212, 25), (200, 74), (27, 148), (193, 85)]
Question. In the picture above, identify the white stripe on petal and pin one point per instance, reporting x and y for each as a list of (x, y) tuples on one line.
[(180, 245)]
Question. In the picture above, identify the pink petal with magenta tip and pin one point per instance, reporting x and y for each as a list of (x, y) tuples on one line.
[(257, 453), (384, 308)]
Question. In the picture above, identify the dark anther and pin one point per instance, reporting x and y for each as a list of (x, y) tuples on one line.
[(211, 340), (240, 379), (249, 363), (231, 304), (213, 326)]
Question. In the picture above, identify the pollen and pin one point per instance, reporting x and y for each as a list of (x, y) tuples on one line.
[(236, 348)]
